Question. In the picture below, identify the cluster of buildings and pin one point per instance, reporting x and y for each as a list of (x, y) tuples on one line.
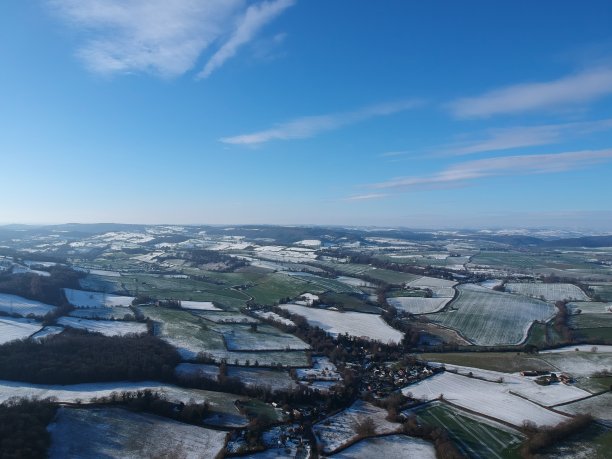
[(380, 380)]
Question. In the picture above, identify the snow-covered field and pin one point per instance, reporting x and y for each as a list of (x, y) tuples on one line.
[(600, 407), (85, 299), (118, 433), (274, 316), (13, 304), (489, 318), (417, 304), (582, 363), (488, 398), (389, 447), (431, 282), (338, 430), (12, 329), (592, 348), (197, 370), (223, 317), (550, 292), (242, 338), (199, 305), (357, 324), (526, 387), (252, 377), (106, 327)]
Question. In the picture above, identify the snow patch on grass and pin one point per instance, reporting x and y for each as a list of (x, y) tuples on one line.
[(106, 327), (358, 324)]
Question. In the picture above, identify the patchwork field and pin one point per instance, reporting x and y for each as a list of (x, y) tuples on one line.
[(490, 318), (338, 430), (324, 284), (106, 327), (550, 292), (357, 324), (192, 335), (477, 437), (117, 433), (370, 272), (277, 286), (160, 287), (12, 329), (13, 304)]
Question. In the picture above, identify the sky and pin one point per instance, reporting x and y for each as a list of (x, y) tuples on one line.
[(438, 114)]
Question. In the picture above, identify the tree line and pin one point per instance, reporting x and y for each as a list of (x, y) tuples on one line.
[(76, 356), (23, 428)]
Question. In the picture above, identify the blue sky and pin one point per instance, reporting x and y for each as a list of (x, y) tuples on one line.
[(348, 112)]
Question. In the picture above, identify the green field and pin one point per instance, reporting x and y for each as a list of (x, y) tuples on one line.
[(603, 291), (477, 437), (595, 334), (276, 286), (601, 320), (543, 336)]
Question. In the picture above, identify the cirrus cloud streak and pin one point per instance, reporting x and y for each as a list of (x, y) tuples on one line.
[(458, 174), (309, 126), (578, 88)]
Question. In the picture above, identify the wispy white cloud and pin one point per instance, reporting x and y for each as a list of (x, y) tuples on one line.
[(574, 89), (505, 165), (253, 20), (309, 126), (525, 136), (160, 37), (366, 197)]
